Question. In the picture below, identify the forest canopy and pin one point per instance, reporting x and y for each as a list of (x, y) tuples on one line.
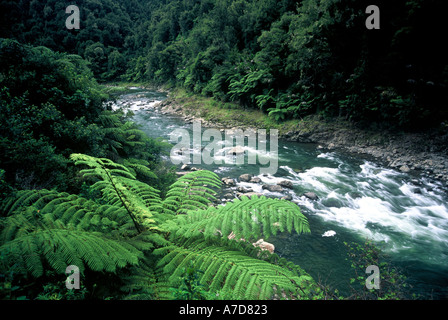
[(288, 58)]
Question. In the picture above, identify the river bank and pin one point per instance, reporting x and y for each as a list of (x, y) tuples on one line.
[(425, 153)]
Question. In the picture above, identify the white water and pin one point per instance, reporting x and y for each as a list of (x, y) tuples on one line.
[(376, 203)]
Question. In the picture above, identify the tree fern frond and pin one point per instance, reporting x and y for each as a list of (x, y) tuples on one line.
[(139, 282), (247, 277), (120, 188), (61, 247), (140, 168), (246, 218), (195, 190)]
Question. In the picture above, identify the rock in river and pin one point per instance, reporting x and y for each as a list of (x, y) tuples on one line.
[(404, 168), (311, 195), (272, 187), (255, 180), (228, 181), (286, 184), (236, 151), (245, 177), (264, 245)]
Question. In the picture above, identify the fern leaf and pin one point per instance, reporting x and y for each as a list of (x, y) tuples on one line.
[(61, 247), (120, 188), (192, 191), (246, 218), (236, 271)]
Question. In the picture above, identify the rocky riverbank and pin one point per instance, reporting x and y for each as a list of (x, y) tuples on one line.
[(425, 153)]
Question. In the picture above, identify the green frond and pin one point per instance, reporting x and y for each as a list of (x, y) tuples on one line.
[(233, 270), (26, 198), (138, 283), (60, 248), (195, 190), (139, 168), (120, 188), (247, 218), (57, 229)]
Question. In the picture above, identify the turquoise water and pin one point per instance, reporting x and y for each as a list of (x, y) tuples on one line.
[(406, 215)]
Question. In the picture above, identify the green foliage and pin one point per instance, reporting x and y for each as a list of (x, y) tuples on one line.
[(131, 231), (392, 285), (58, 291), (235, 267), (191, 192), (257, 51), (190, 287), (59, 230), (246, 218), (5, 188), (51, 107)]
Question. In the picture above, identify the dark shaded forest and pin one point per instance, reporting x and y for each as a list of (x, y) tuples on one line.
[(288, 58)]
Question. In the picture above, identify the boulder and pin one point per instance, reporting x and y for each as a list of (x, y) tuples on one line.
[(185, 167), (264, 245), (255, 180), (286, 184), (228, 181), (287, 197), (311, 195), (332, 203), (404, 168), (245, 177), (417, 190), (236, 151), (244, 190), (272, 187), (355, 195)]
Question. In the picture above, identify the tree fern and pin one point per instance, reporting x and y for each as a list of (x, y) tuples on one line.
[(40, 234), (150, 241), (120, 188)]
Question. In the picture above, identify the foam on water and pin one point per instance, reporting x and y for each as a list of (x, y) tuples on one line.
[(372, 201), (377, 204)]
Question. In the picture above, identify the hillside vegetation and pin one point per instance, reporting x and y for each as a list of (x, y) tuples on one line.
[(287, 58)]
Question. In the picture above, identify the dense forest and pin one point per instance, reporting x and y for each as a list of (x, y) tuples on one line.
[(288, 58), (82, 184)]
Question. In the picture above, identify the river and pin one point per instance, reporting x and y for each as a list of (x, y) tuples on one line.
[(406, 215)]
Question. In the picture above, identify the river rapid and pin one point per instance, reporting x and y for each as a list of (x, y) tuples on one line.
[(405, 215)]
